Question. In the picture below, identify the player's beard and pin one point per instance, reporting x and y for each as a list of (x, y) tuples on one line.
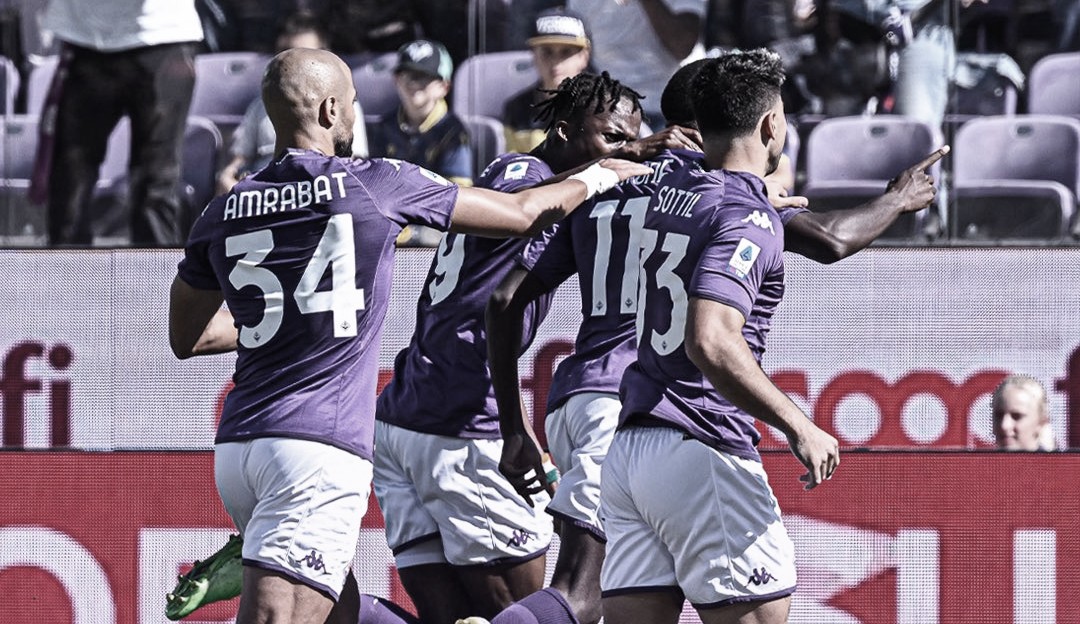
[(774, 162), (343, 146)]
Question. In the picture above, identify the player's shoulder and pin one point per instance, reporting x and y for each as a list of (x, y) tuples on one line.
[(744, 206), (391, 168), (514, 169)]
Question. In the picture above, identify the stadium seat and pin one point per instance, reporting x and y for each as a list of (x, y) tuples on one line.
[(484, 82), (18, 144), (1026, 147), (851, 159), (37, 85), (225, 84), (487, 140), (1012, 210), (202, 142), (21, 223), (375, 89), (827, 196), (198, 171), (9, 85), (1054, 85)]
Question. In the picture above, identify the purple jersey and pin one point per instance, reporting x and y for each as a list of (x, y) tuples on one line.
[(711, 235), (600, 242), (441, 384), (303, 253)]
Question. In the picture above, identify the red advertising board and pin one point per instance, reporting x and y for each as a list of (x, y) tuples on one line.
[(895, 537)]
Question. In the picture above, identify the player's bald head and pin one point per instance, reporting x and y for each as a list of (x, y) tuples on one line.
[(299, 80)]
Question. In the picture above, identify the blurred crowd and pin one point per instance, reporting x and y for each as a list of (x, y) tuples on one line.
[(934, 61)]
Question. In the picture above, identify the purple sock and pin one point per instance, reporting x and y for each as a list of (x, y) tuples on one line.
[(546, 606), (375, 610)]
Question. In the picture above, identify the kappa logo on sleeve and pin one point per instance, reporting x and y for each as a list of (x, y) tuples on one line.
[(761, 220), (434, 176), (743, 259), (516, 171)]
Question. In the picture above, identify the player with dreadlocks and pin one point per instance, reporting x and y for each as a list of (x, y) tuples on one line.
[(464, 542), (599, 243)]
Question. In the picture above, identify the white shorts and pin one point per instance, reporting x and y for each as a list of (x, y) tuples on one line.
[(444, 500), (682, 515), (579, 433), (297, 504)]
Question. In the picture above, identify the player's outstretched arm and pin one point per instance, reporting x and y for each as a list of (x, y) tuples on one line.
[(830, 236), (529, 212), (198, 325), (522, 462), (714, 343)]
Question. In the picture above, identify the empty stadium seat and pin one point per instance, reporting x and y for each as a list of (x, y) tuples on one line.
[(225, 84), (1023, 147), (487, 140), (18, 144), (1012, 210), (202, 142), (995, 150), (850, 160), (1054, 85), (484, 82), (9, 85), (375, 89)]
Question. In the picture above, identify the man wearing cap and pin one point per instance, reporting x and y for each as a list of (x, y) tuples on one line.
[(560, 49), (423, 130)]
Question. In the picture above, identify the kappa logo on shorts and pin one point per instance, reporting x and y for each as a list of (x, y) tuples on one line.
[(761, 577), (520, 538), (314, 561)]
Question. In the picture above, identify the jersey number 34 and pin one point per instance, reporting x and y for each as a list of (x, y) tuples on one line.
[(336, 249)]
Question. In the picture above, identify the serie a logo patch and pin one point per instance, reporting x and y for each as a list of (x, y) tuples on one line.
[(743, 259)]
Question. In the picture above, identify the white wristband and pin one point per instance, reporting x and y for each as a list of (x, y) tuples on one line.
[(597, 179)]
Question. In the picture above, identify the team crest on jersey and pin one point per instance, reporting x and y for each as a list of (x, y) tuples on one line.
[(516, 171), (761, 220), (743, 259), (434, 176)]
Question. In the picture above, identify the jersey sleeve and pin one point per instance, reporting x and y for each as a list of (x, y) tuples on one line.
[(514, 174), (787, 214), (552, 262), (407, 193), (736, 258), (195, 268)]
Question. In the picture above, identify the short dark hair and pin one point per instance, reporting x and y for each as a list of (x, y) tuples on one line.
[(572, 99), (731, 92), (675, 102)]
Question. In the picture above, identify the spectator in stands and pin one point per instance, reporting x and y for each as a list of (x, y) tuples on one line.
[(560, 50), (642, 42), (253, 140), (1021, 415), (119, 58), (423, 130)]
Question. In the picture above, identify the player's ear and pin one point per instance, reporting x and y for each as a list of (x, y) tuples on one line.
[(562, 129), (329, 111), (769, 127)]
